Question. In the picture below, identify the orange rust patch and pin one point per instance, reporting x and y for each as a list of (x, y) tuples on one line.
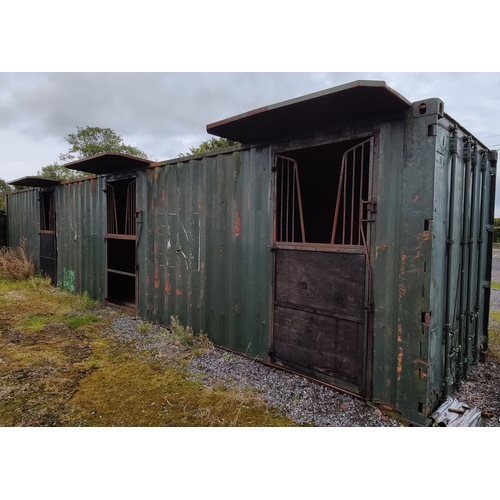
[(168, 288), (154, 248), (415, 199), (162, 195), (178, 291), (402, 290), (157, 277), (237, 230), (400, 362)]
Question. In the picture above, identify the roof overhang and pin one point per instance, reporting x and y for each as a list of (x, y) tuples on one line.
[(346, 103), (109, 163), (34, 181)]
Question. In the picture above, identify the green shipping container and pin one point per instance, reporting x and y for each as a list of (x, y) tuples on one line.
[(347, 239)]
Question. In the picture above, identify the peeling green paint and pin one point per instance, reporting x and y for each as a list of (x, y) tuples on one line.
[(69, 280)]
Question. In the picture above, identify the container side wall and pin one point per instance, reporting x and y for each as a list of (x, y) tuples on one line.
[(80, 232), (204, 251), (386, 260), (23, 222)]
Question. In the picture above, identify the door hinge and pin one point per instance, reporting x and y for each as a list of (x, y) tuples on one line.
[(369, 306)]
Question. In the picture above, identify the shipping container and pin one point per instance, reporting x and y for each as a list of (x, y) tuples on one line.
[(348, 239)]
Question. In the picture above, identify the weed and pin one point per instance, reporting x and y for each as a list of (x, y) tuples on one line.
[(36, 323), (183, 334), (227, 357), (144, 327), (78, 321), (15, 263)]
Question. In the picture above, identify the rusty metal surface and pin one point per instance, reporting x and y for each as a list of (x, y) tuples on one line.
[(204, 248), (332, 107), (205, 228), (80, 231), (23, 221)]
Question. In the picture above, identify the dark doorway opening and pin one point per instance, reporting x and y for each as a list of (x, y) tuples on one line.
[(48, 247), (121, 272)]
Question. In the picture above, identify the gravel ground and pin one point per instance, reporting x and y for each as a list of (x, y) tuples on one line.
[(303, 401), (300, 399)]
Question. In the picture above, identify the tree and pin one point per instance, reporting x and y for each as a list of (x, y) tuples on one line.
[(4, 190), (87, 142), (211, 145)]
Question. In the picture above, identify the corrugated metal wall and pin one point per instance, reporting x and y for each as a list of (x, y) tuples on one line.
[(23, 221), (80, 232), (432, 246), (204, 249)]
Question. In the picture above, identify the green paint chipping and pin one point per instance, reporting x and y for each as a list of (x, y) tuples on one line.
[(69, 280)]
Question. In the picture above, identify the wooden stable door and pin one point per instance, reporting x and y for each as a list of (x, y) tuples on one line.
[(322, 275)]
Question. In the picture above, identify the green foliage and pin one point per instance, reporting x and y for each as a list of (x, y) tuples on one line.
[(184, 335), (496, 234), (85, 143), (75, 321), (90, 141), (56, 171), (4, 190), (210, 145)]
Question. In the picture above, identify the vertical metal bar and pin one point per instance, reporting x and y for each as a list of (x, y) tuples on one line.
[(344, 202), (479, 278), (287, 200), (463, 314), (353, 181), (293, 202), (449, 313), (282, 206), (337, 205), (472, 243), (361, 206), (299, 199)]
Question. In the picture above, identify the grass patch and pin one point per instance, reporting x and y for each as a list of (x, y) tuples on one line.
[(79, 321), (60, 368), (494, 284)]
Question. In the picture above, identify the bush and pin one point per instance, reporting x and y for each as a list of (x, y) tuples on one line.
[(15, 263)]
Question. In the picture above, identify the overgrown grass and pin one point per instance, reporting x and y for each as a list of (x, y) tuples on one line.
[(59, 368), (15, 263), (184, 335)]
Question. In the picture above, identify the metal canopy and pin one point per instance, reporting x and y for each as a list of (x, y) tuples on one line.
[(346, 103), (34, 181), (109, 163)]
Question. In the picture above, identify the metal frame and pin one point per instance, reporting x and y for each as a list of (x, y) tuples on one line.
[(130, 233), (366, 234)]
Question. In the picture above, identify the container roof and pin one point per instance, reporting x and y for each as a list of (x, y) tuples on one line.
[(346, 103), (109, 163), (34, 181)]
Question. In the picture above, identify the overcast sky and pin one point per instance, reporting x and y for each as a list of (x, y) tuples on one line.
[(164, 114)]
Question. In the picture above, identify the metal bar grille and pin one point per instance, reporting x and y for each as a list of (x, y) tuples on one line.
[(111, 206), (352, 214), (289, 202), (121, 206), (130, 209), (339, 222)]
